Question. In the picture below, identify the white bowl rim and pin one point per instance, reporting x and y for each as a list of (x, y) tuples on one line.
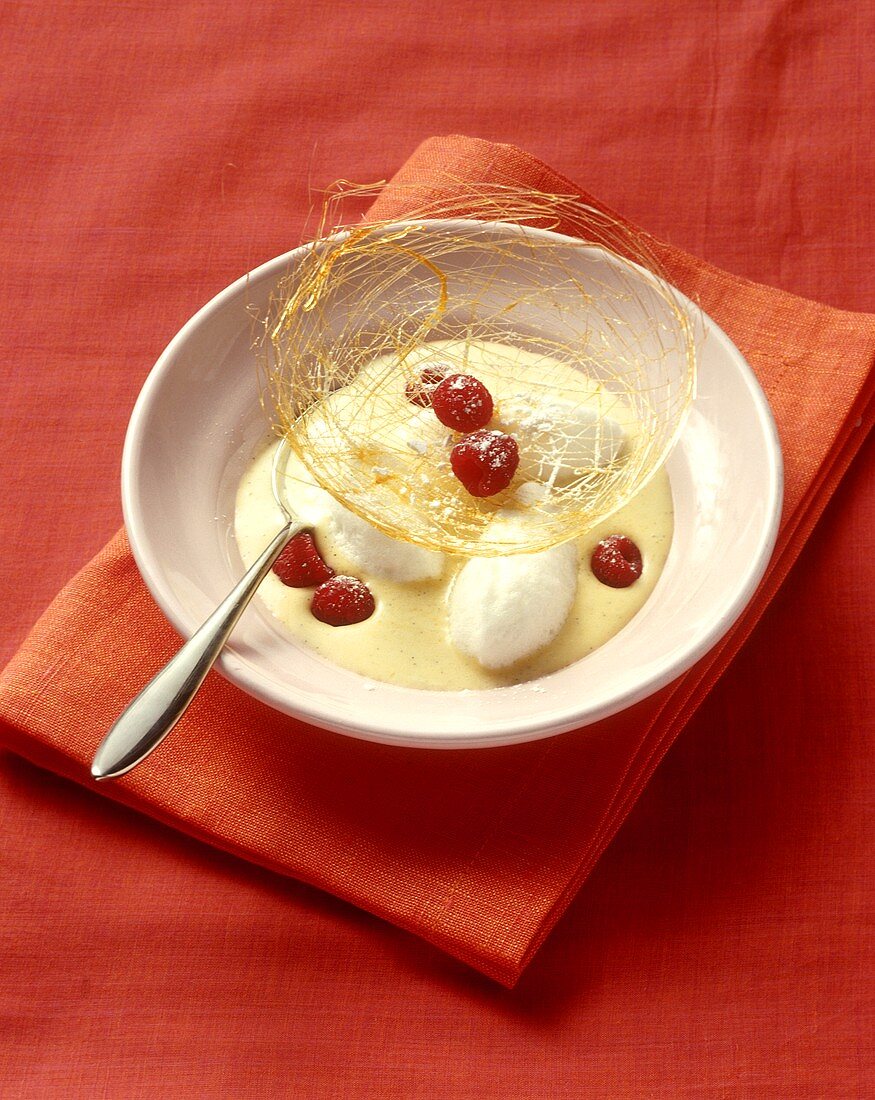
[(511, 732)]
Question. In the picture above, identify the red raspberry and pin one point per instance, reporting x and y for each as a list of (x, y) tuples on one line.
[(342, 601), (463, 403), (300, 565), (616, 561), (485, 462), (420, 392)]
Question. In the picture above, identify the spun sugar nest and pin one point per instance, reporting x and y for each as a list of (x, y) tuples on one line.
[(369, 307)]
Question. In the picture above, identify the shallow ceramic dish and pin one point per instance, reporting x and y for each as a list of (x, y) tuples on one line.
[(197, 423)]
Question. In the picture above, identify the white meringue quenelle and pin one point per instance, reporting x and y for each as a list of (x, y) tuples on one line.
[(559, 439), (504, 609), (362, 545), (376, 554)]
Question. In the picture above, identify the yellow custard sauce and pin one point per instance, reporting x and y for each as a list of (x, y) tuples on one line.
[(406, 641)]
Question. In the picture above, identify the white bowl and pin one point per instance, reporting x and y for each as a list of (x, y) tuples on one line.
[(198, 421)]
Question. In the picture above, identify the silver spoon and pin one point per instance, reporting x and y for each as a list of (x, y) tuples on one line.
[(146, 721)]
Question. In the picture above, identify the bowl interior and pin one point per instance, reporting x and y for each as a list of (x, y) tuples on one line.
[(197, 423)]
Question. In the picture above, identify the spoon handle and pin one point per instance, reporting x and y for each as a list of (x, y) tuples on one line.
[(146, 721)]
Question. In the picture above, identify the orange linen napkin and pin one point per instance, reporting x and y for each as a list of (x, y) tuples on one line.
[(478, 852)]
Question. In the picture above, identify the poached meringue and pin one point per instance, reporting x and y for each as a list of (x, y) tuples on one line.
[(502, 610)]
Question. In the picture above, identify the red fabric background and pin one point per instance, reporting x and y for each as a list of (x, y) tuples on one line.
[(151, 154)]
